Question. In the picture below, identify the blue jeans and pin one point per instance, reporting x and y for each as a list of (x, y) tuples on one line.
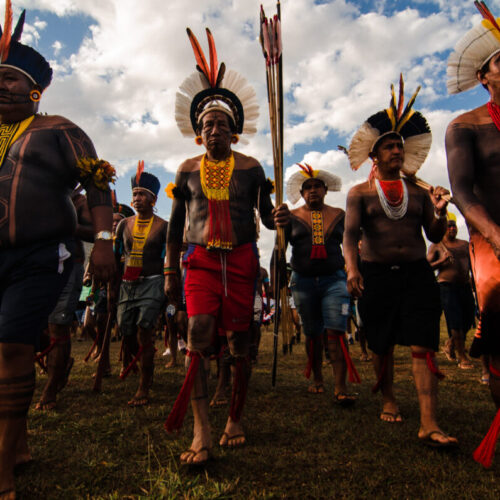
[(322, 302)]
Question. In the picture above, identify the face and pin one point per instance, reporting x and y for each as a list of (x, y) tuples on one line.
[(313, 191), (452, 230), (117, 218), (14, 95), (142, 200), (389, 154), (491, 79), (216, 132)]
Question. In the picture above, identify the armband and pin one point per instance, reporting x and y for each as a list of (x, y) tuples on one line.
[(99, 171)]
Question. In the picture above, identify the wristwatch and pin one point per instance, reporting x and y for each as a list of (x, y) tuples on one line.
[(103, 235)]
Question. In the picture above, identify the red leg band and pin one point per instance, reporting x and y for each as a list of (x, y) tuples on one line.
[(494, 371), (431, 364), (354, 377), (176, 417)]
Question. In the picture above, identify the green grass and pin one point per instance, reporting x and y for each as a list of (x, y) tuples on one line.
[(299, 445)]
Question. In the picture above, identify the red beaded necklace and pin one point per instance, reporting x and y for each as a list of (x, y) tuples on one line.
[(393, 191), (494, 111)]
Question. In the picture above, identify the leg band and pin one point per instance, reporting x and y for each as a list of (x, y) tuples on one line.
[(431, 362)]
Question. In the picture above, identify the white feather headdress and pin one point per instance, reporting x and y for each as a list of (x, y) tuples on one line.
[(473, 51), (294, 184), (213, 88)]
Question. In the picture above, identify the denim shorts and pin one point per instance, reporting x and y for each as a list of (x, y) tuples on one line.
[(322, 302)]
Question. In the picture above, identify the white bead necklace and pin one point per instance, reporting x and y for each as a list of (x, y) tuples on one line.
[(393, 212)]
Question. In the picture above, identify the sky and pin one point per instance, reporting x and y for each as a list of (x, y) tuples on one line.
[(118, 63)]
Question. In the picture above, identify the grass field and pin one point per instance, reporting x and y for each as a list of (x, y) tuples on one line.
[(299, 445)]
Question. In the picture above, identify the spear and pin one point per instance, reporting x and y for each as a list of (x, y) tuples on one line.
[(270, 39)]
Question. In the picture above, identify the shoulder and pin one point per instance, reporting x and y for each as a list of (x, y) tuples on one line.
[(160, 221), (55, 122), (244, 162), (415, 190), (470, 119), (463, 243), (361, 189), (334, 211), (190, 165)]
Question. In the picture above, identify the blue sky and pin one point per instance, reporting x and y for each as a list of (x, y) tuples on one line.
[(118, 64)]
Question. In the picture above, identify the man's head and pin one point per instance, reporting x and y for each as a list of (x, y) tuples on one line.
[(388, 153), (489, 74), (217, 130), (143, 200), (314, 191), (451, 231), (15, 101)]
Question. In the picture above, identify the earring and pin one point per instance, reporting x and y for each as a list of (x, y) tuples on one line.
[(198, 140), (235, 138), (35, 95)]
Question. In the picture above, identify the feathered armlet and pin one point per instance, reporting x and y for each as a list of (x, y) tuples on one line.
[(173, 191), (268, 187), (99, 171)]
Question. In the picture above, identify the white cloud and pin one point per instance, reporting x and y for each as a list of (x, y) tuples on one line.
[(338, 63)]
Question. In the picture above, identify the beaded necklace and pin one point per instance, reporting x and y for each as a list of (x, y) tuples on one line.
[(215, 177), (318, 250), (393, 203)]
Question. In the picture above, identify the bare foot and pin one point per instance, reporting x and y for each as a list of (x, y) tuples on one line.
[(8, 494), (316, 389), (171, 364), (46, 405), (233, 435), (141, 398)]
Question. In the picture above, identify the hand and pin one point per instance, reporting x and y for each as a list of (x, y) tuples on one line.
[(102, 261), (440, 204), (355, 284), (281, 215), (172, 289), (495, 242)]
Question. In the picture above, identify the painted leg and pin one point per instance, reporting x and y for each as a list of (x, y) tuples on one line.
[(239, 345), (390, 409), (426, 383), (17, 383), (223, 379), (59, 362), (146, 367)]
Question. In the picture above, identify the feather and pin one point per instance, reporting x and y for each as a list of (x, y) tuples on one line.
[(408, 111), (199, 55), (486, 13), (278, 38), (306, 168), (392, 111), (18, 31), (140, 170), (213, 59), (267, 43), (220, 74), (401, 96), (113, 198), (7, 30)]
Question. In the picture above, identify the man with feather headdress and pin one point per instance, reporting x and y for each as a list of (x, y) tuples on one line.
[(473, 151), (399, 301), (218, 192), (42, 158), (140, 244), (318, 280)]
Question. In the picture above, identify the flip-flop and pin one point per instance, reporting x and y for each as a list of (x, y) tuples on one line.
[(136, 403), (194, 453), (345, 400), (316, 389), (218, 403), (430, 441), (230, 438), (396, 417)]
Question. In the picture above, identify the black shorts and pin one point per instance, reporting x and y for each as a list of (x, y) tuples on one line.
[(458, 306), (31, 280), (400, 305)]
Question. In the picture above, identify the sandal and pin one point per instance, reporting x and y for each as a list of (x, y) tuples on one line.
[(435, 443), (225, 440), (345, 400), (193, 453)]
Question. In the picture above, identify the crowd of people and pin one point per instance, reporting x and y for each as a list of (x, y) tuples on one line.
[(199, 270)]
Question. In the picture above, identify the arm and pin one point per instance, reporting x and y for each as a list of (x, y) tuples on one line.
[(270, 216), (84, 227), (75, 144), (435, 213), (352, 234), (175, 234), (461, 171), (434, 257)]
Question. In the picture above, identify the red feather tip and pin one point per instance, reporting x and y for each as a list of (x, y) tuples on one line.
[(307, 169), (140, 170), (7, 32)]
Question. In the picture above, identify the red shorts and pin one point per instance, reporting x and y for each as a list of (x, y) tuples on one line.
[(222, 284)]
